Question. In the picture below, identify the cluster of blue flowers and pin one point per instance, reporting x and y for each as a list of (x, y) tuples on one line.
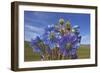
[(60, 41)]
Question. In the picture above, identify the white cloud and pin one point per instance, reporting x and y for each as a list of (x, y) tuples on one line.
[(85, 39), (34, 29), (31, 32), (29, 36)]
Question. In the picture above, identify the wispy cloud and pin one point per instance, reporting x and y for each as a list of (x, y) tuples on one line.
[(31, 32), (35, 21), (34, 29), (30, 35), (40, 18), (85, 39)]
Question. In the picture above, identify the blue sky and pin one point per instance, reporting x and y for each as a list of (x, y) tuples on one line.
[(35, 22)]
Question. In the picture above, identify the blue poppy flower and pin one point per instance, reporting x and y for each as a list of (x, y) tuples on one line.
[(68, 42), (52, 38)]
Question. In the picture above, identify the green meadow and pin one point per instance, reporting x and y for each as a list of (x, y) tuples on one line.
[(29, 55)]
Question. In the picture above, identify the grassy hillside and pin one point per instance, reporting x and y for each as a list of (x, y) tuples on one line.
[(83, 52), (28, 53)]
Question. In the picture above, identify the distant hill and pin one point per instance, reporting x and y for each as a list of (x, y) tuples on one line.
[(85, 45)]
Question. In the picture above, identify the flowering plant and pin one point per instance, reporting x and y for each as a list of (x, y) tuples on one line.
[(59, 41)]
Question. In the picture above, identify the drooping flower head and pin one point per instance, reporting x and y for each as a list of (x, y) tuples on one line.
[(61, 21), (68, 25)]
